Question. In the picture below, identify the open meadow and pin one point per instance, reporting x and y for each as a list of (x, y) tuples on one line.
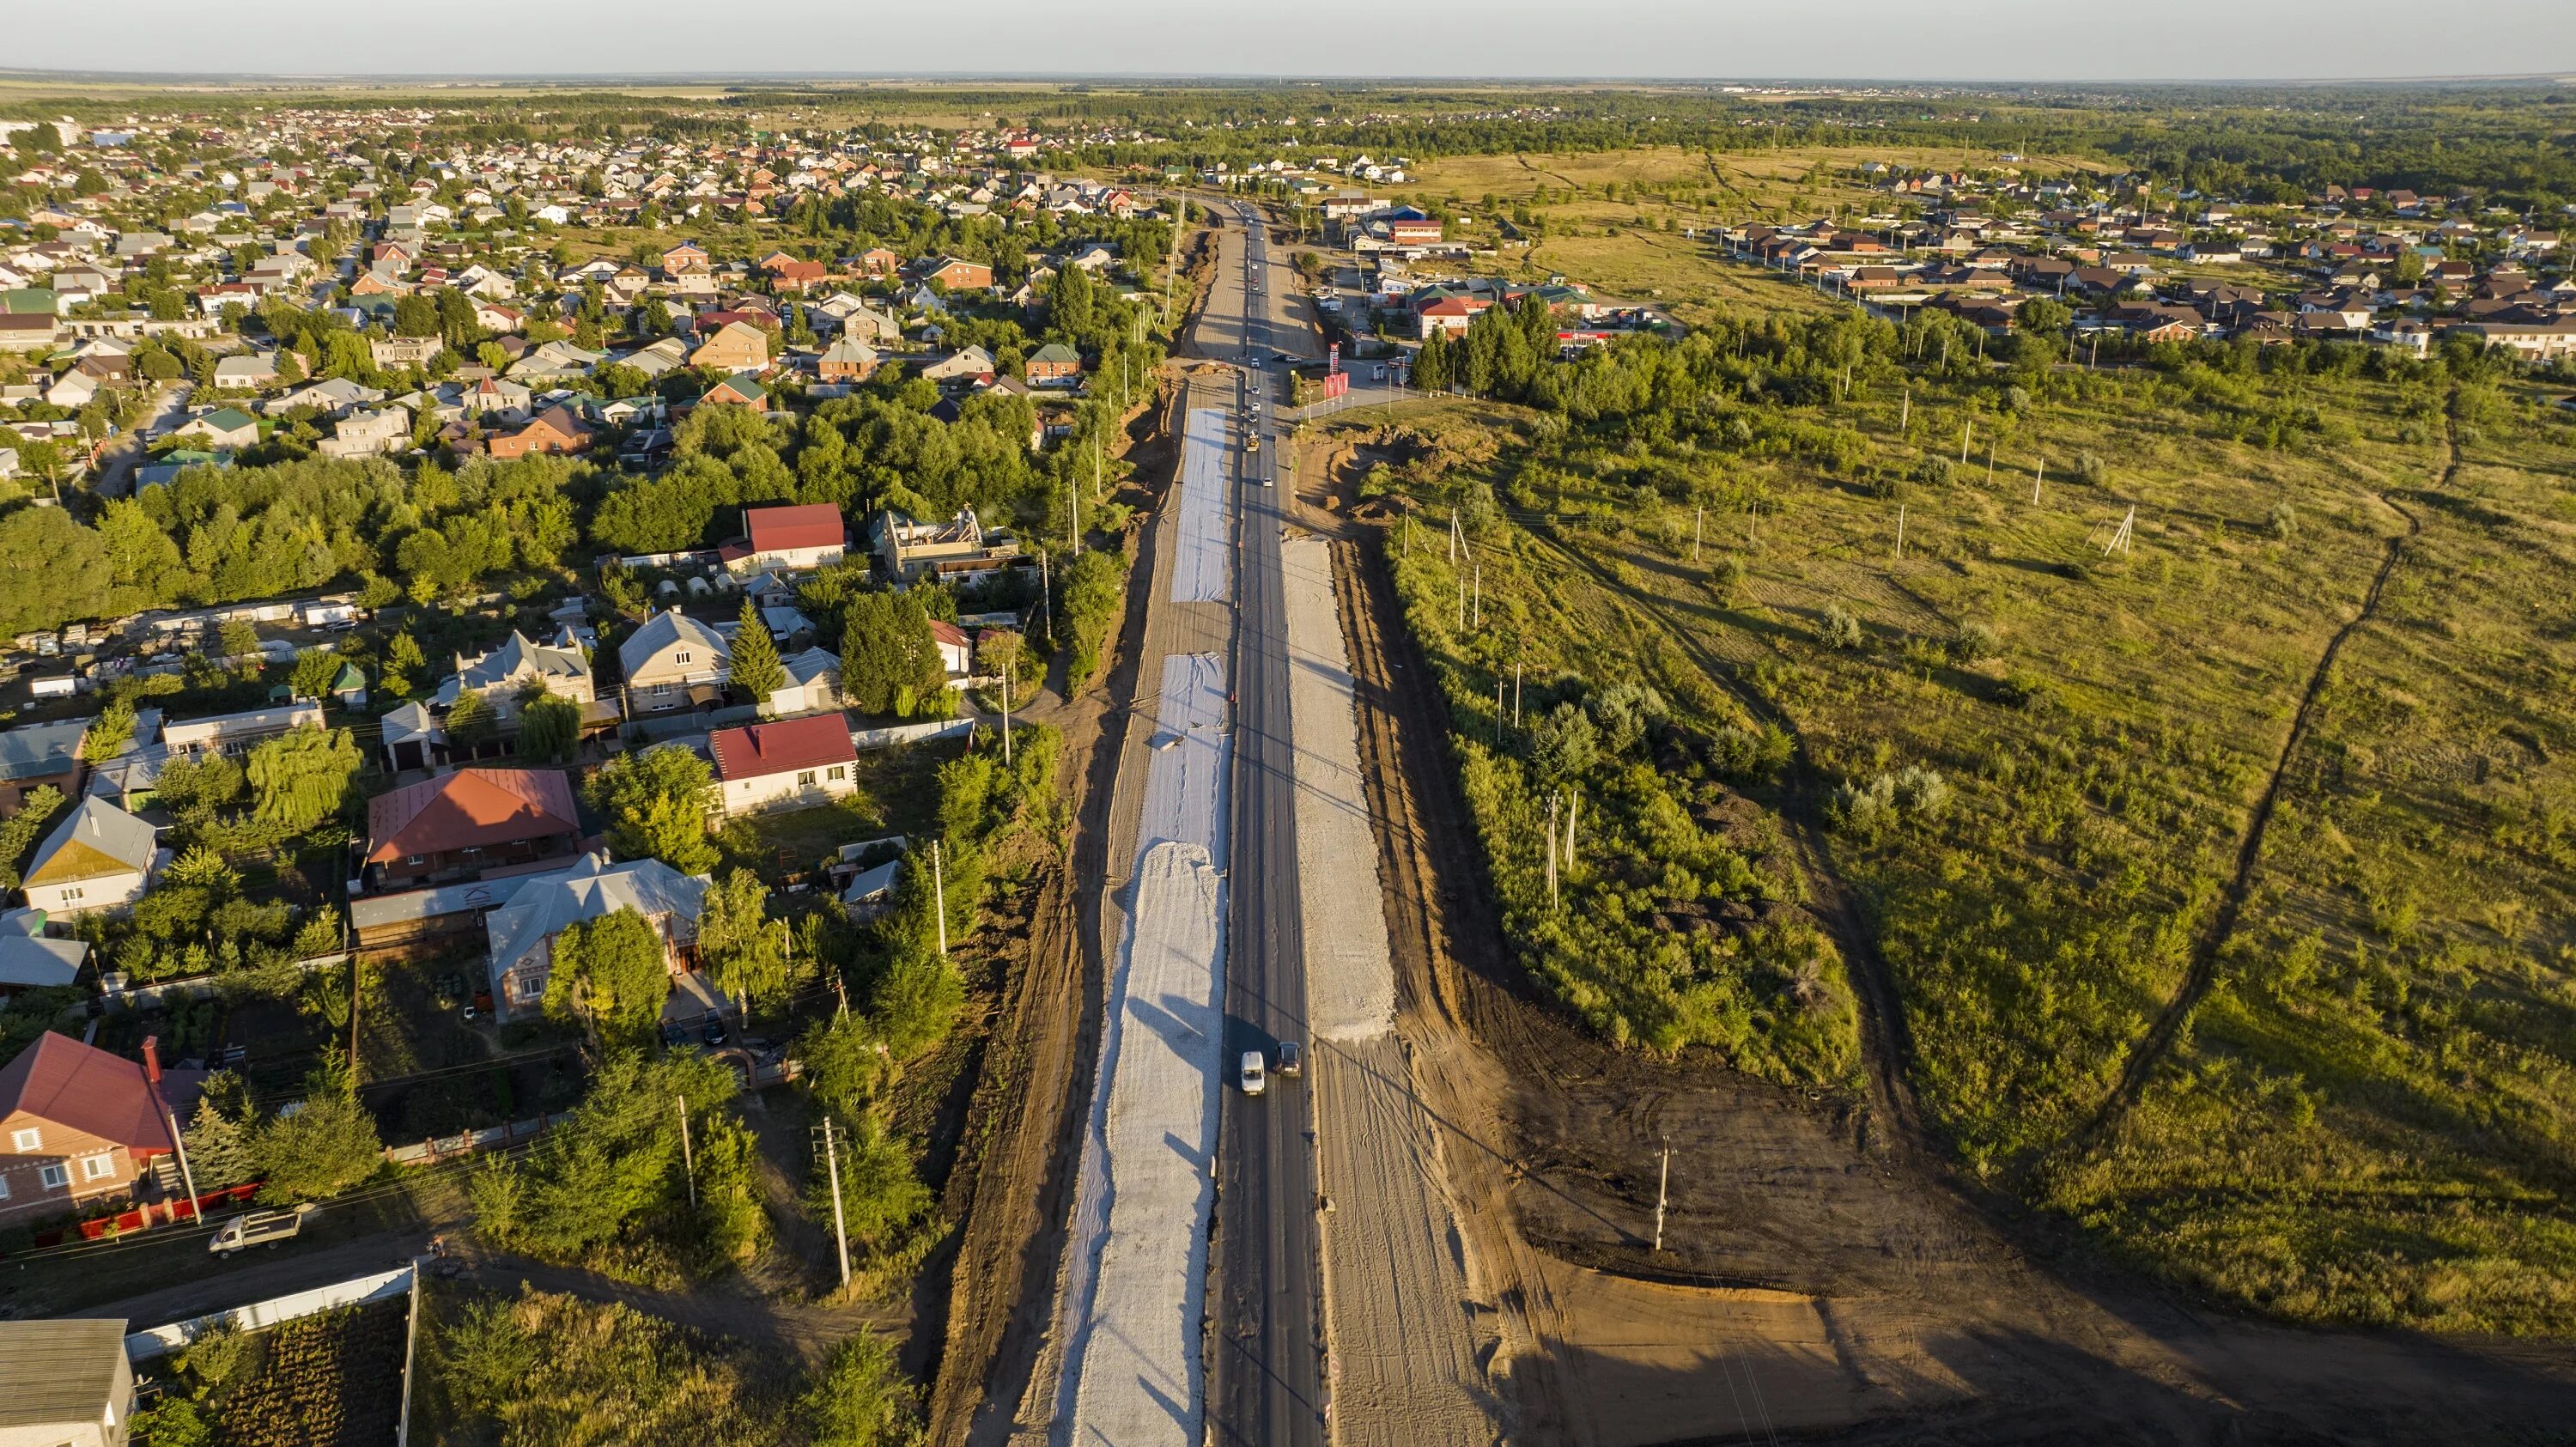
[(2210, 810)]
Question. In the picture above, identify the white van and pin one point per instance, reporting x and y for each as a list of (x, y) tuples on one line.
[(1252, 1078)]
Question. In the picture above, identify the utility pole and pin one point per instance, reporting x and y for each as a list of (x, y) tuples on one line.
[(1551, 849), (1573, 807), (1073, 510), (1516, 695), (939, 896), (688, 1157), (1990, 462), (1498, 710), (1006, 716), (1698, 515), (2035, 479), (1462, 605), (1900, 531), (1905, 414), (1966, 431), (1453, 537), (1046, 596), (1479, 616), (840, 1227), (1663, 1180)]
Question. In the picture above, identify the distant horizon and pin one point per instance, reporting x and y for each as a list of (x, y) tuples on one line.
[(1496, 42), (251, 80)]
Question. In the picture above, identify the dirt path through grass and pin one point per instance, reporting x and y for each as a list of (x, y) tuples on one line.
[(2158, 1040)]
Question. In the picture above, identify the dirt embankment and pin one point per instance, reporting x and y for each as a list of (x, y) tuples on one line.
[(1814, 1280)]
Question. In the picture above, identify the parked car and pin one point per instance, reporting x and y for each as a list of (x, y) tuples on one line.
[(260, 1228), (1250, 1077), (674, 1034), (711, 1029)]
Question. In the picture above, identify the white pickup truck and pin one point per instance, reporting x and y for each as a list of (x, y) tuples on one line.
[(260, 1228)]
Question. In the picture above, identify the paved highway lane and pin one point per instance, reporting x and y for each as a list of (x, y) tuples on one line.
[(1266, 1351)]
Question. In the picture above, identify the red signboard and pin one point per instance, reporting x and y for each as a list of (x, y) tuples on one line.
[(1336, 383)]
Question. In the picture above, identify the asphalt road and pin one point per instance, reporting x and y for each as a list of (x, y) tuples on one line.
[(1266, 1349)]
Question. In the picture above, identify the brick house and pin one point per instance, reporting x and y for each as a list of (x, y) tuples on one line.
[(461, 825), (78, 1125), (555, 431), (955, 273), (1052, 364), (737, 346)]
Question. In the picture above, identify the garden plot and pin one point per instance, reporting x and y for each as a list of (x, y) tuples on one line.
[(1202, 571), (1404, 1349), (1136, 1274)]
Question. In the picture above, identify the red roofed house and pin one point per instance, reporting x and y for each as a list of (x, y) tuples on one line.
[(76, 1124), (793, 761), (789, 537), (467, 824), (796, 276), (1421, 231), (1450, 314), (956, 650)]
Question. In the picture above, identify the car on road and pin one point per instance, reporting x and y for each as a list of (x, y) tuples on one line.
[(1292, 1058), (260, 1228), (1250, 1077)]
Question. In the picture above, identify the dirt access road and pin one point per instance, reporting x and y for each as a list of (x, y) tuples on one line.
[(1818, 1280)]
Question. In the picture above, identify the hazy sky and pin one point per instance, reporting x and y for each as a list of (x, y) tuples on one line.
[(1899, 39)]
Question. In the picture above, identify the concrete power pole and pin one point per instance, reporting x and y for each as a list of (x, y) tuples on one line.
[(1663, 1179), (840, 1229), (1551, 850), (939, 896), (688, 1157)]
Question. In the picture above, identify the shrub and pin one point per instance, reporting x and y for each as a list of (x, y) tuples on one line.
[(1864, 809), (1921, 793), (2023, 689), (1975, 643), (2088, 470), (1933, 471), (2284, 521), (1751, 756), (1839, 629)]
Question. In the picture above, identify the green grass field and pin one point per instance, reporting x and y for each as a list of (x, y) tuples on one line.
[(2364, 1117)]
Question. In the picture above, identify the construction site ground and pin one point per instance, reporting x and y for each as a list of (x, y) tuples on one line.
[(1821, 1279)]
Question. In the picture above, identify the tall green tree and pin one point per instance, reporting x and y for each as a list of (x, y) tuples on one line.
[(753, 669), (549, 725), (610, 971), (740, 944), (302, 776), (322, 1145), (656, 803)]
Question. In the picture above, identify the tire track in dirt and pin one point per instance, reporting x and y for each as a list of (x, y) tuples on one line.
[(2154, 1045)]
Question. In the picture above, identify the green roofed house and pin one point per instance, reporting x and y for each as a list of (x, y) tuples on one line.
[(349, 687), (178, 460), (225, 427), (741, 390), (31, 300), (1054, 364)]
